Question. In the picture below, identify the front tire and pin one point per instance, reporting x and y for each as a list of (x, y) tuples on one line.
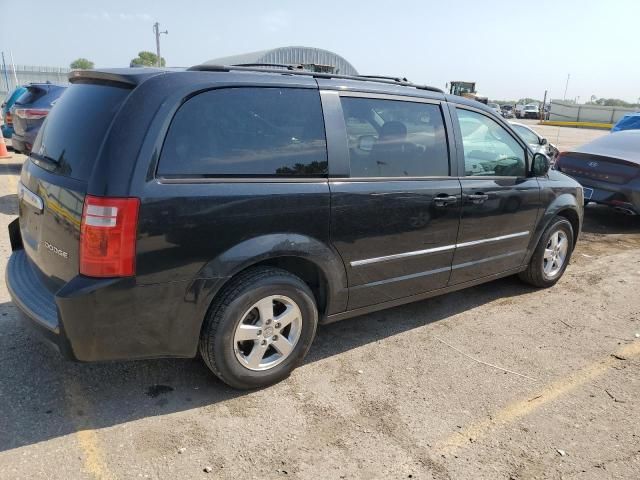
[(259, 328), (551, 256)]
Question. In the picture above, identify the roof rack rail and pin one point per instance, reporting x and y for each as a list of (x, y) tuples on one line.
[(287, 66), (296, 71), (383, 77)]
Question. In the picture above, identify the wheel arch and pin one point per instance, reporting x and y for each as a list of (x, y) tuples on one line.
[(314, 261), (573, 217), (564, 205)]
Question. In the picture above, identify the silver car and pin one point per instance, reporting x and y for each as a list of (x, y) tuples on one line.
[(535, 141), (495, 107)]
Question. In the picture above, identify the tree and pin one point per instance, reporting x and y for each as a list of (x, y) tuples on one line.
[(611, 102), (147, 59), (81, 64), (525, 101)]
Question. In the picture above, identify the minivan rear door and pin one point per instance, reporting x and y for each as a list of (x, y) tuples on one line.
[(395, 201), (54, 179)]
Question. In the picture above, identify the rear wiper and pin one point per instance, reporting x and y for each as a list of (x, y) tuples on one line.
[(44, 158)]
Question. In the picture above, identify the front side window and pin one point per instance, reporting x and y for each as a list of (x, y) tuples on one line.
[(391, 138), (489, 149), (247, 132)]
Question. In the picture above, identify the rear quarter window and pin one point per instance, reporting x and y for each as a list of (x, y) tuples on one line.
[(247, 132), (71, 136)]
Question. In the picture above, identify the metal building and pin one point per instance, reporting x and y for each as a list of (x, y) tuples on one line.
[(322, 60)]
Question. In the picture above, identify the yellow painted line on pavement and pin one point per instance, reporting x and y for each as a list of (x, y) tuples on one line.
[(576, 124), (78, 406), (12, 182), (93, 461), (88, 441), (11, 179), (523, 408)]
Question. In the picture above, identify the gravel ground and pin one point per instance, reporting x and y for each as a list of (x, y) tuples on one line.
[(500, 381)]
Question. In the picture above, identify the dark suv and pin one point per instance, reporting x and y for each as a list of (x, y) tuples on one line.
[(229, 210), (29, 112)]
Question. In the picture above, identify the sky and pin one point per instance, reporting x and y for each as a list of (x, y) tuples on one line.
[(512, 49)]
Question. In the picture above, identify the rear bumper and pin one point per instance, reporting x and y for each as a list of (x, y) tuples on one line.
[(36, 304), (623, 196), (21, 144), (92, 319)]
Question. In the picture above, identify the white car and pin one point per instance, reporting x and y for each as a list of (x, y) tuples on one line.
[(531, 110)]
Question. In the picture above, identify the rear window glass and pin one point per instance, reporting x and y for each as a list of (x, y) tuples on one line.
[(71, 136), (247, 132), (32, 94)]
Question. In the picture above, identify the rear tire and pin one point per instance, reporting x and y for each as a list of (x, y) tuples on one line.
[(259, 328), (551, 256)]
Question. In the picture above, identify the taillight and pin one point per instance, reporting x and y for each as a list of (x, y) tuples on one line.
[(31, 113), (8, 119), (108, 236)]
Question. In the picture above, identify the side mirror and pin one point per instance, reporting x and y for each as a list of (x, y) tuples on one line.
[(541, 165), (543, 141), (366, 142)]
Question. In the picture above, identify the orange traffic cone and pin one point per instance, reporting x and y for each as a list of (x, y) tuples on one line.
[(4, 153)]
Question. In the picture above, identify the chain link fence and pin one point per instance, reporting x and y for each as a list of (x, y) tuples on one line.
[(29, 74)]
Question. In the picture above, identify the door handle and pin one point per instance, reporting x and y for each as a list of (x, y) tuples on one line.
[(478, 198), (444, 200)]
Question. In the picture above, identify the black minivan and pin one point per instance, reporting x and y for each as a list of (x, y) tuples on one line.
[(230, 210)]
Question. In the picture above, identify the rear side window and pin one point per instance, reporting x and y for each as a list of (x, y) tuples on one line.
[(247, 132), (71, 136), (390, 138)]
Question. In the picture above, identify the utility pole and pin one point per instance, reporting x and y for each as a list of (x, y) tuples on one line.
[(156, 30), (566, 87)]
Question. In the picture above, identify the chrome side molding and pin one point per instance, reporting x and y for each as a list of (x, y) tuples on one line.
[(444, 248)]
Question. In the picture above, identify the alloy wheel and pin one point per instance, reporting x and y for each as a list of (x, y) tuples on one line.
[(267, 333), (555, 253)]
